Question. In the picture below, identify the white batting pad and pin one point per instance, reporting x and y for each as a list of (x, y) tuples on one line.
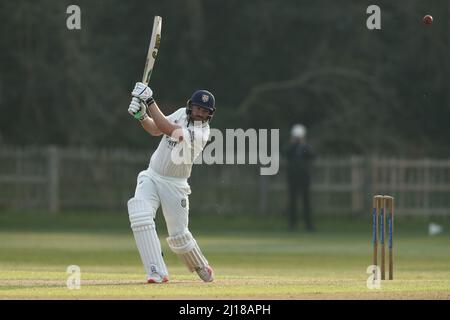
[(147, 241), (185, 246)]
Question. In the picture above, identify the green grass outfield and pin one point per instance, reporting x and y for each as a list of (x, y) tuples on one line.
[(252, 260)]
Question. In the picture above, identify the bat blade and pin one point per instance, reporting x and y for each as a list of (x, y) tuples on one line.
[(153, 49)]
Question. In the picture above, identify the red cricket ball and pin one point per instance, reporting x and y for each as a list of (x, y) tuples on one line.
[(428, 19)]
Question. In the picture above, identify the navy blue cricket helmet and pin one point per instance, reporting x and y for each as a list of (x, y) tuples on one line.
[(203, 99)]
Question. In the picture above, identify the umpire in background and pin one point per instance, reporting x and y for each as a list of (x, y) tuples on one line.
[(299, 158)]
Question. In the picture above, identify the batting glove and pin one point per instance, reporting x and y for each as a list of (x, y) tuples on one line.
[(137, 109), (143, 92)]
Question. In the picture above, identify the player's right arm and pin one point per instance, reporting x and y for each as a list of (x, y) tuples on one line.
[(139, 111)]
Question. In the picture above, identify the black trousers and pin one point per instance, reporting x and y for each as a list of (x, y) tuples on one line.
[(299, 189)]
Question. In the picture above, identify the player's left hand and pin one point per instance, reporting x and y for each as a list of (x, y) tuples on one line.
[(142, 91)]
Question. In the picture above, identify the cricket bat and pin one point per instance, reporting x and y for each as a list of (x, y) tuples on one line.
[(155, 42)]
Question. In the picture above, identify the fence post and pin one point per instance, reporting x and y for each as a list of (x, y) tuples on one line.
[(368, 183), (426, 186), (53, 179), (263, 193), (357, 195)]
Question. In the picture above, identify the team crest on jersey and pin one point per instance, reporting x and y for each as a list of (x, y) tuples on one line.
[(183, 203), (205, 98), (171, 143)]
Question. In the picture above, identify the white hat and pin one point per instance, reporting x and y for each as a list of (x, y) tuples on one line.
[(298, 131), (434, 229)]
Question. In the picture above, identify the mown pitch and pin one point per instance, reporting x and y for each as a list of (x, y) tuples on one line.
[(269, 264)]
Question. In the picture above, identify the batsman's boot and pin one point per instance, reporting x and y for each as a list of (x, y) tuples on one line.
[(206, 273), (157, 278)]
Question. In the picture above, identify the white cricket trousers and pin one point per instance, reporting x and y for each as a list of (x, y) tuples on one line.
[(169, 192)]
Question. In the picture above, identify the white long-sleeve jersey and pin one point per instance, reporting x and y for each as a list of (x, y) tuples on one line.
[(174, 158)]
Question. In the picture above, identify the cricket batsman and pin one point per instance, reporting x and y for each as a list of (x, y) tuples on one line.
[(165, 183)]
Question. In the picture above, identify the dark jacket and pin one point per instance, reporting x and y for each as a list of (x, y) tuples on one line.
[(299, 158)]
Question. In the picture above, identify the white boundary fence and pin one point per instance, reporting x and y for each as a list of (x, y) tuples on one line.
[(55, 179)]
